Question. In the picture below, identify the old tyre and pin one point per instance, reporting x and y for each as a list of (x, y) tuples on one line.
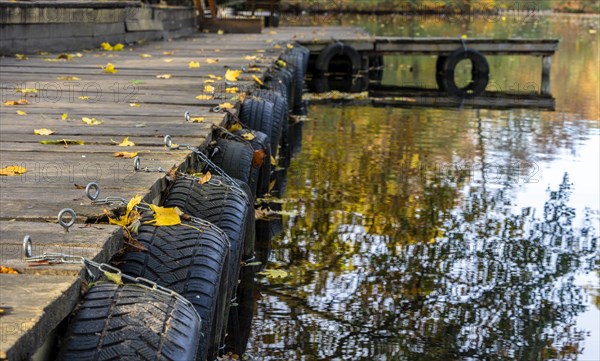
[(280, 116), (191, 260), (128, 322), (479, 73), (257, 114), (353, 61), (261, 162), (235, 158), (296, 63)]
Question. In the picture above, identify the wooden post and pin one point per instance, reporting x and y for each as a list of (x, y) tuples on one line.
[(212, 4), (546, 64)]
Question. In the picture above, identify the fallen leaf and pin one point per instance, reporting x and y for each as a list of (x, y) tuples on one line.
[(12, 170), (126, 143), (106, 46), (274, 273), (168, 60), (272, 32), (250, 57), (113, 277), (20, 112), (232, 90), (68, 78), (8, 270), (21, 56), (65, 56), (205, 178), (130, 216), (126, 155), (135, 105), (16, 102), (220, 32), (213, 76), (64, 116), (257, 79), (232, 75), (273, 161), (248, 136), (208, 81), (196, 120), (145, 56), (235, 127), (463, 36), (212, 61), (254, 69), (84, 97), (26, 90), (226, 105), (194, 64), (91, 121), (258, 157), (165, 216), (164, 76), (63, 142), (78, 186), (110, 68), (217, 50), (43, 131), (167, 53), (209, 89), (118, 47), (290, 46), (204, 97)]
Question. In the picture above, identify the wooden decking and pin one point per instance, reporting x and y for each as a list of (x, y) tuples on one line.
[(132, 103)]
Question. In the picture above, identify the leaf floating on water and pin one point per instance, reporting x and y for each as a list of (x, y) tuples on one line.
[(21, 112), (91, 121), (194, 64), (165, 216), (12, 170), (164, 76), (43, 131), (63, 142), (274, 273), (16, 102), (125, 143), (113, 277), (126, 155), (232, 75)]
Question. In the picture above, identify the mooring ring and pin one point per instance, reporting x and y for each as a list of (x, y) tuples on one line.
[(27, 247), (217, 109), (187, 116), (92, 190), (168, 141), (136, 163), (61, 215)]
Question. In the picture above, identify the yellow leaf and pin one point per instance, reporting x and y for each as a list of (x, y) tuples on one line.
[(91, 121), (8, 270), (110, 68), (208, 81), (118, 47), (254, 69), (232, 90), (164, 76), (106, 46), (276, 46), (64, 142), (84, 97), (463, 36), (194, 64), (235, 127), (232, 75), (21, 56), (113, 277), (212, 61), (204, 97), (250, 57), (65, 56), (257, 79), (217, 50), (64, 116), (130, 216), (196, 120), (26, 90), (43, 131), (167, 53), (205, 178), (226, 105), (68, 78), (20, 112), (220, 32), (126, 143), (126, 155), (16, 102), (168, 60), (165, 216), (209, 89), (274, 273), (145, 55), (273, 161), (213, 76), (248, 136), (12, 170), (133, 202), (135, 105), (290, 46)]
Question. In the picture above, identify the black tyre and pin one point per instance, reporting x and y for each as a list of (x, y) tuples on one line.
[(261, 163), (295, 61), (191, 260), (286, 77), (280, 116), (350, 61), (235, 158), (128, 322), (297, 143), (240, 324), (257, 114), (479, 73), (299, 49)]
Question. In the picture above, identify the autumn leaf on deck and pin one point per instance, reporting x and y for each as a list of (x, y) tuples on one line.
[(26, 90), (273, 273), (12, 170), (64, 116), (21, 57), (209, 81), (213, 76), (165, 216), (196, 119), (205, 178), (106, 46), (168, 60), (68, 78), (209, 89), (194, 64), (290, 46), (135, 105), (65, 56), (226, 105), (164, 76), (91, 121), (16, 102), (250, 57), (125, 143), (43, 131), (145, 56), (232, 90), (84, 97), (63, 142), (118, 47), (257, 80), (126, 155), (110, 68), (232, 75), (21, 112), (204, 97), (130, 215), (212, 61), (167, 53)]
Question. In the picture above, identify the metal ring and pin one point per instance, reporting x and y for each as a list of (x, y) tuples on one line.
[(168, 141), (244, 69), (92, 190), (136, 163), (187, 116), (217, 109), (27, 247), (61, 221)]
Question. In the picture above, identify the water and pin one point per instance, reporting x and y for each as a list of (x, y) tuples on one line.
[(444, 234)]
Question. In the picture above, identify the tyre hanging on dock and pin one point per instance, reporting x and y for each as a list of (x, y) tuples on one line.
[(445, 72), (130, 322), (192, 260), (338, 58), (280, 115), (295, 62), (235, 158), (257, 114)]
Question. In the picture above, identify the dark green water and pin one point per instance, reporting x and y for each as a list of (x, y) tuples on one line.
[(445, 234)]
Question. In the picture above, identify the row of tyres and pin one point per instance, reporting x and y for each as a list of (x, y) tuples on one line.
[(200, 259)]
